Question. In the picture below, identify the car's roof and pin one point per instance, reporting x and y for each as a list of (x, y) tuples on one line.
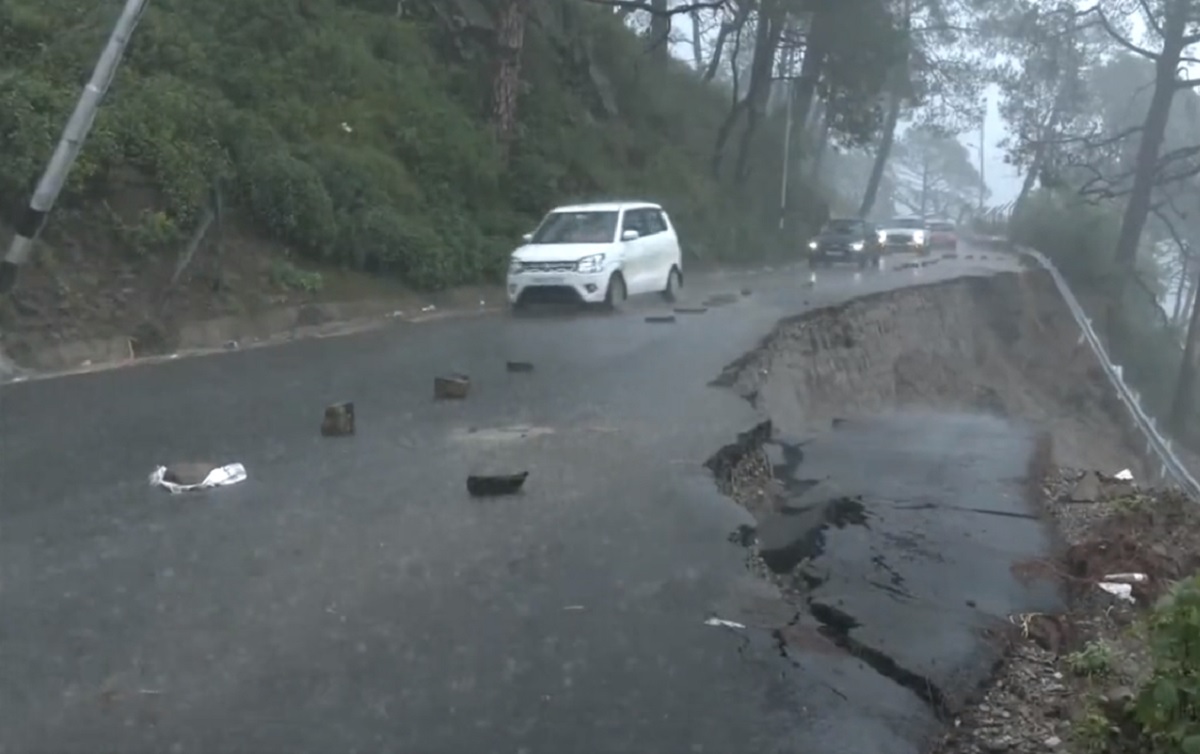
[(606, 207)]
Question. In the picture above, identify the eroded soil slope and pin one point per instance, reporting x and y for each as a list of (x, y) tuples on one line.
[(1004, 344)]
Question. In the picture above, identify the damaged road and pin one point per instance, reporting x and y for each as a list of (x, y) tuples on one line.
[(352, 596)]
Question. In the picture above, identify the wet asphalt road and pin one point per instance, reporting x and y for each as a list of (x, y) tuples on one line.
[(351, 597)]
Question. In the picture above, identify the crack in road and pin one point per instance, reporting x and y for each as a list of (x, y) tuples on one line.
[(837, 625)]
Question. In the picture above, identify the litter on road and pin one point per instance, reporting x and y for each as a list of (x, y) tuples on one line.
[(1120, 591), (519, 366), (192, 477), (722, 623)]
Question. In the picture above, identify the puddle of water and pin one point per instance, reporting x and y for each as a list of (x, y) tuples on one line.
[(500, 434), (798, 534)]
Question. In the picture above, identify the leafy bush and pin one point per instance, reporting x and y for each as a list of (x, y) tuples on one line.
[(1168, 705), (289, 277), (1079, 237)]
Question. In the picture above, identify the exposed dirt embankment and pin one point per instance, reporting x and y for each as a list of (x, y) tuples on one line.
[(1005, 344)]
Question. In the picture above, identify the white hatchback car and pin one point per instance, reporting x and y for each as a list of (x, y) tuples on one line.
[(597, 253)]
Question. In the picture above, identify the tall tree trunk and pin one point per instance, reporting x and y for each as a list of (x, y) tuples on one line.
[(506, 82), (660, 32), (1035, 166), (762, 70), (1181, 288), (1146, 168), (1181, 402), (730, 27), (735, 108), (887, 139), (697, 42), (815, 52), (822, 146)]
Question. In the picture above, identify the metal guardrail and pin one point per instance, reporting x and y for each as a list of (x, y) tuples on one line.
[(1156, 443)]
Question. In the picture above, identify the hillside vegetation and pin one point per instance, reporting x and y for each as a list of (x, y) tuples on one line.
[(350, 135)]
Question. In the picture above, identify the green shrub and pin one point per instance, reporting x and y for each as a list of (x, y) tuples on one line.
[(1168, 705), (289, 277), (1079, 237), (289, 198)]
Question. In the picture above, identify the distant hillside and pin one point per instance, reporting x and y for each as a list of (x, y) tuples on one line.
[(355, 136)]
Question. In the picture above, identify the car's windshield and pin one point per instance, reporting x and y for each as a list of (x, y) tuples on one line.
[(590, 226), (907, 222), (843, 226)]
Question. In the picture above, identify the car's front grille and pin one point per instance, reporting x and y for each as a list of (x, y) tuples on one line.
[(549, 266), (898, 238)]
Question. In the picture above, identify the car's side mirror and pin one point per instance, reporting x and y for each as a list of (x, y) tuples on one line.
[(630, 235), (527, 237)]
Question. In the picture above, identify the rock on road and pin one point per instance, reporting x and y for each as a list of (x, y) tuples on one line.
[(350, 596)]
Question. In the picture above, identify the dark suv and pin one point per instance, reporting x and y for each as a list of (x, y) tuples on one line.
[(847, 240)]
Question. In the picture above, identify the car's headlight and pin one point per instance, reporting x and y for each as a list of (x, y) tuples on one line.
[(812, 245), (594, 263), (857, 246), (515, 266), (919, 236), (882, 236)]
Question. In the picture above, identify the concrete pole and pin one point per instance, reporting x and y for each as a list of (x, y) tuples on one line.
[(30, 225)]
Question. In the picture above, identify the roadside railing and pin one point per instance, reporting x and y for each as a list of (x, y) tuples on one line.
[(1158, 445)]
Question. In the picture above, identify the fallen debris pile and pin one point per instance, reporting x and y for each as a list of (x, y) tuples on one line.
[(1120, 673)]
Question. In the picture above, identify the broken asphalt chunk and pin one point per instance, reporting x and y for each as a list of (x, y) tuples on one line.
[(661, 319), (691, 309), (338, 420), (451, 387), (495, 485), (519, 366)]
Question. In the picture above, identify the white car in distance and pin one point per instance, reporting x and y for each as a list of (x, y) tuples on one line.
[(597, 253)]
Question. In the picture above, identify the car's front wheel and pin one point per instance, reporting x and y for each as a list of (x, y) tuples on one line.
[(614, 297), (674, 283)]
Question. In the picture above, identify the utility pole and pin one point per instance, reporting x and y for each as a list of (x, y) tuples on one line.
[(30, 225), (787, 137), (982, 178)]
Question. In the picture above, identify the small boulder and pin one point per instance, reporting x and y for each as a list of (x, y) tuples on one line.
[(1086, 490), (338, 420)]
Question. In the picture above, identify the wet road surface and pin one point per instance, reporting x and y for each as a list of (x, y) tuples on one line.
[(351, 597)]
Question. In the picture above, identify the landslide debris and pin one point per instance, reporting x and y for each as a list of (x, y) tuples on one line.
[(1004, 344), (1071, 681)]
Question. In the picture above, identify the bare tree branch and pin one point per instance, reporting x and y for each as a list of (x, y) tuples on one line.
[(1117, 37), (644, 6), (1149, 18)]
